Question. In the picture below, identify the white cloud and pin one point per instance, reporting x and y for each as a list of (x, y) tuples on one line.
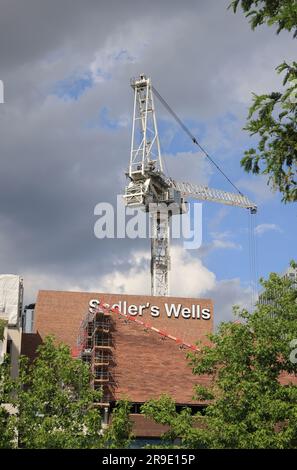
[(258, 187), (263, 228), (188, 276), (223, 244), (122, 48), (225, 295), (33, 282), (220, 241), (220, 215), (221, 235), (190, 167)]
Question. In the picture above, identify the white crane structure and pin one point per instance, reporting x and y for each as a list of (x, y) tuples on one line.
[(149, 188)]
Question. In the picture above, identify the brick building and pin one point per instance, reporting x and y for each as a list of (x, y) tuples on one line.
[(147, 357)]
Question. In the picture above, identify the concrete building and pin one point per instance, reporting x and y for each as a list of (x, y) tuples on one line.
[(11, 304), (290, 273)]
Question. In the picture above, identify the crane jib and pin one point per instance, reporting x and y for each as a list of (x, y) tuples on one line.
[(205, 193)]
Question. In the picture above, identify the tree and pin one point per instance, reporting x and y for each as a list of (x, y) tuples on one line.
[(119, 433), (283, 13), (182, 426), (273, 116), (250, 407), (55, 404), (7, 432), (3, 324), (55, 401)]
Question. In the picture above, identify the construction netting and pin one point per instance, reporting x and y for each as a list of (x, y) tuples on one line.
[(10, 294)]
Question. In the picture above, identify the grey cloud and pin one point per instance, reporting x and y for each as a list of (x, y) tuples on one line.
[(54, 169)]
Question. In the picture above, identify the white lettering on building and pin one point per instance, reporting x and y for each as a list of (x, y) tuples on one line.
[(171, 310)]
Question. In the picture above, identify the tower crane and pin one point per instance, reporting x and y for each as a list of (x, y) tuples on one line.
[(150, 189)]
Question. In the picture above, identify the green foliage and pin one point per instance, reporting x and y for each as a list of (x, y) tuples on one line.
[(55, 400), (250, 408), (7, 434), (273, 117), (282, 13), (182, 426), (2, 326), (55, 405), (119, 434)]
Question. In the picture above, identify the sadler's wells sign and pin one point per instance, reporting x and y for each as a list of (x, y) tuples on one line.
[(171, 310)]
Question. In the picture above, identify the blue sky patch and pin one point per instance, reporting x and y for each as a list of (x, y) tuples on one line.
[(123, 56), (72, 88), (103, 120), (106, 121)]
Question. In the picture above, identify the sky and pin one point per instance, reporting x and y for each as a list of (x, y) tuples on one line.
[(65, 130)]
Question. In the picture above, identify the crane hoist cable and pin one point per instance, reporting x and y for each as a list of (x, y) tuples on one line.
[(253, 254), (192, 137), (251, 230)]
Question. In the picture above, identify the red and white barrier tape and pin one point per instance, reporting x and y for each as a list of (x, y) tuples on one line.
[(106, 307)]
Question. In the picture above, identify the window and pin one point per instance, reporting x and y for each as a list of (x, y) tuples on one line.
[(9, 346)]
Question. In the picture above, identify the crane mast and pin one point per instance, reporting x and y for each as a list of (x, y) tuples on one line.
[(150, 189), (145, 146)]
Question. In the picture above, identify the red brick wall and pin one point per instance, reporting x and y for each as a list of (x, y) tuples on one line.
[(145, 365)]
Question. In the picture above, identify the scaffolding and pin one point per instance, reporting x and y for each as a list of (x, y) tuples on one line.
[(96, 343)]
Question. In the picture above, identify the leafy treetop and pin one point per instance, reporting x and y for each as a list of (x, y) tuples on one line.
[(283, 13), (252, 400)]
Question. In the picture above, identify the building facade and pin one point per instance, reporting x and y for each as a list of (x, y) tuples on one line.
[(11, 305), (291, 274), (139, 347)]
